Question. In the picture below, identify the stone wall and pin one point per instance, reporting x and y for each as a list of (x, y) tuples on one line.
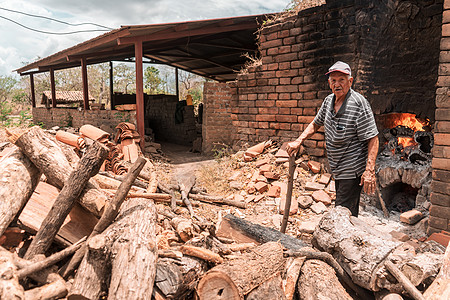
[(383, 42), (160, 113), (62, 117), (219, 100), (440, 185)]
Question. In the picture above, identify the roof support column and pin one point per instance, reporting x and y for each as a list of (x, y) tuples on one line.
[(33, 95), (111, 84), (85, 83), (52, 86), (139, 92), (177, 88)]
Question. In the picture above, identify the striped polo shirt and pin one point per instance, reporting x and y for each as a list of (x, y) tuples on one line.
[(347, 133)]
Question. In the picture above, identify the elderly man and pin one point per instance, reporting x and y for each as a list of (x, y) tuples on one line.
[(350, 137)]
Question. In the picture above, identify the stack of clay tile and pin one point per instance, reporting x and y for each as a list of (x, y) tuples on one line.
[(70, 139), (256, 150), (127, 139)]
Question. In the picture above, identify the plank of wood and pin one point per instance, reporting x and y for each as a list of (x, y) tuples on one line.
[(79, 222)]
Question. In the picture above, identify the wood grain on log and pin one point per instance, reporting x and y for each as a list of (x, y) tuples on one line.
[(217, 200), (293, 267), (10, 289), (409, 287), (270, 289), (440, 288), (228, 281), (19, 178), (319, 281), (48, 157), (54, 290), (87, 167)]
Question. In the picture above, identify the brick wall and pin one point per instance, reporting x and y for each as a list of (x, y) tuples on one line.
[(62, 117), (440, 185), (219, 100), (160, 117), (383, 43)]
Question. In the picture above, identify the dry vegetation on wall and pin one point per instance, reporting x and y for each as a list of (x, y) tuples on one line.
[(298, 5)]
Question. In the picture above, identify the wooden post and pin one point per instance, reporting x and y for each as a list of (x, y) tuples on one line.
[(139, 92), (287, 205), (85, 84), (52, 86), (111, 84), (177, 88), (33, 94)]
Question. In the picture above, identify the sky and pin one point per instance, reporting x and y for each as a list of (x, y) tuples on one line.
[(20, 46)]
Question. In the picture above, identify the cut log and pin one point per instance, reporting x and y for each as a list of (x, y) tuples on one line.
[(153, 183), (19, 178), (110, 213), (87, 167), (48, 157), (440, 288), (202, 253), (183, 227), (54, 290), (176, 278), (228, 281), (404, 281), (270, 289), (217, 200), (319, 281), (10, 289), (234, 228)]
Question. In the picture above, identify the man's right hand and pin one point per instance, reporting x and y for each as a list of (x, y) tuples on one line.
[(292, 147)]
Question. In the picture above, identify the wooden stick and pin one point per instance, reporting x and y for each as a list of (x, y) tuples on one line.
[(380, 198), (217, 200), (165, 189), (202, 253), (54, 290), (51, 260), (290, 185), (110, 213), (88, 166), (137, 182), (403, 280)]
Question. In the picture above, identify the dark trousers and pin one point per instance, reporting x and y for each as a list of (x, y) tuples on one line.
[(348, 193)]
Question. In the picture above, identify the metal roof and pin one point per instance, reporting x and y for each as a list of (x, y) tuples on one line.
[(212, 48)]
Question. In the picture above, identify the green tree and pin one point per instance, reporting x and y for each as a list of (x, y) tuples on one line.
[(153, 83), (124, 78), (7, 84)]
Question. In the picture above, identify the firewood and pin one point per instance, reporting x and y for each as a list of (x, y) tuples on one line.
[(19, 177), (137, 182), (409, 287), (318, 281), (48, 157), (202, 253), (229, 281), (10, 289), (269, 289), (217, 200), (287, 206), (111, 212), (54, 290), (152, 183), (293, 267), (440, 288), (238, 228), (183, 227), (177, 278), (87, 167), (49, 261), (241, 247)]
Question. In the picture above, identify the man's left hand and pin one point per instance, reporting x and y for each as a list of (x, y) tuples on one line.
[(368, 179)]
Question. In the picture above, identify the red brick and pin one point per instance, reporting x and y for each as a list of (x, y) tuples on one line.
[(321, 196), (443, 114), (284, 49), (266, 118), (439, 223), (441, 163), (289, 41), (271, 44), (273, 81), (293, 209), (296, 64), (441, 238), (286, 73), (305, 119), (261, 187), (441, 187), (271, 175), (263, 125), (314, 166), (265, 168), (411, 217), (265, 103), (262, 96), (286, 118), (442, 139), (261, 162), (297, 127), (284, 111), (284, 96), (314, 186), (274, 191), (268, 110), (272, 96), (274, 125), (402, 237), (286, 103), (266, 132), (446, 16), (285, 126), (307, 87), (297, 111), (440, 211), (286, 57), (272, 51), (325, 178), (441, 175)]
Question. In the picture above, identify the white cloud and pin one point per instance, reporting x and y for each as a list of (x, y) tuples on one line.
[(19, 45)]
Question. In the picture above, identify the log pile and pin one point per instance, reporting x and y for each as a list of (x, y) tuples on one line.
[(132, 240)]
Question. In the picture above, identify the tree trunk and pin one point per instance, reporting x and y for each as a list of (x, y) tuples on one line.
[(130, 249), (236, 278), (87, 167), (48, 157), (19, 177), (319, 281), (177, 278), (10, 289), (244, 231)]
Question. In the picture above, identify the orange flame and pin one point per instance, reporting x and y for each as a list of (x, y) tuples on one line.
[(406, 141), (408, 120)]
